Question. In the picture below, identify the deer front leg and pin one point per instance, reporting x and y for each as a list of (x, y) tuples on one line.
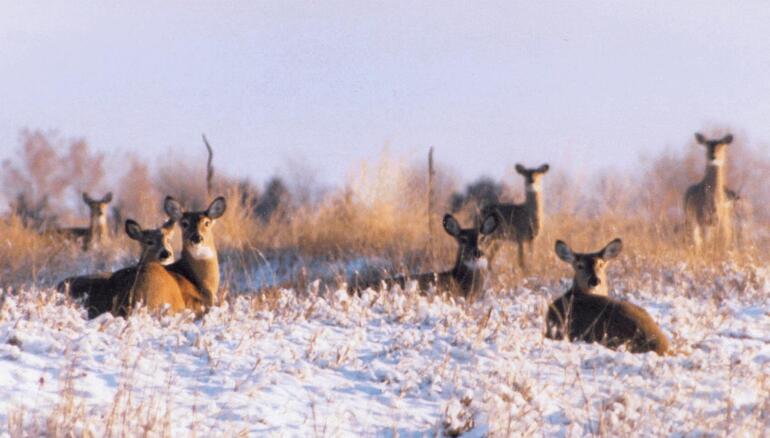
[(520, 247)]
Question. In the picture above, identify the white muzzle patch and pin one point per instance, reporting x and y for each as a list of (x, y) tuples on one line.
[(716, 163), (202, 252)]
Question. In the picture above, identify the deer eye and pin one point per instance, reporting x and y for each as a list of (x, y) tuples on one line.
[(185, 223), (149, 242), (206, 222)]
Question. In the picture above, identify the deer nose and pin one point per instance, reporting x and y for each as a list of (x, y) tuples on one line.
[(164, 255), (593, 282), (196, 238)]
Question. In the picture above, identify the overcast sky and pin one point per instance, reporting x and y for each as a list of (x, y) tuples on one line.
[(581, 85)]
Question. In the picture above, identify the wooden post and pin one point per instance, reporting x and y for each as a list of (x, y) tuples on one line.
[(431, 208)]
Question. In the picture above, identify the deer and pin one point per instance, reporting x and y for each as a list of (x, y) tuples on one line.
[(521, 222), (97, 229), (192, 282), (199, 262), (96, 290), (708, 205), (468, 275), (586, 312)]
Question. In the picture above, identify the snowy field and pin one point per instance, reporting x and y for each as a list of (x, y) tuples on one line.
[(326, 364)]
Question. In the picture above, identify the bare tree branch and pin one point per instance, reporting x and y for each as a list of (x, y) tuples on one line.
[(209, 167)]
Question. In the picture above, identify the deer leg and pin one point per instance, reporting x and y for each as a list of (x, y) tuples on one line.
[(492, 250), (696, 232), (522, 265)]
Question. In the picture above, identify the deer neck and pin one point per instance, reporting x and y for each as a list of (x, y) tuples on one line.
[(713, 181), (203, 267), (534, 203), (469, 277), (98, 226)]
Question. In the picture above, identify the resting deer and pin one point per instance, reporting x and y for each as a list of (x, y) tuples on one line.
[(708, 204), (521, 222), (586, 313), (191, 282), (95, 289), (468, 274), (97, 228), (199, 262)]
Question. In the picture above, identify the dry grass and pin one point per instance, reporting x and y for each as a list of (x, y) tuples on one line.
[(381, 213)]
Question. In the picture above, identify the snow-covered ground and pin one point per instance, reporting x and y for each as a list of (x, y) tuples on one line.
[(298, 364)]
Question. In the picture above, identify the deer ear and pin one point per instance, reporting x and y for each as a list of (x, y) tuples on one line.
[(564, 252), (217, 208), (521, 169), (107, 198), (544, 168), (173, 208), (612, 249), (700, 138), (727, 139), (451, 226), (87, 199), (133, 229), (168, 227), (489, 224)]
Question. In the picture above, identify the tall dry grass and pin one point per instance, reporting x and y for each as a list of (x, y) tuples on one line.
[(382, 212)]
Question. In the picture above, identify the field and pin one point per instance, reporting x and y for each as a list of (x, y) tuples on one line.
[(290, 353)]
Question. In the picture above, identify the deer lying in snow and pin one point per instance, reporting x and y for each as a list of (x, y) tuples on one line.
[(469, 272), (586, 313), (95, 290)]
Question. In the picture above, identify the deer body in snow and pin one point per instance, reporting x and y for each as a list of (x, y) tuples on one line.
[(585, 313)]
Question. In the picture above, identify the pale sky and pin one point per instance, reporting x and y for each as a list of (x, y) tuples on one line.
[(581, 85)]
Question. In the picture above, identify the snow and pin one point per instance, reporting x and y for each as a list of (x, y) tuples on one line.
[(393, 363)]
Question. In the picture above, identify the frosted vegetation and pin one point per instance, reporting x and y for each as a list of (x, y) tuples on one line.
[(290, 353)]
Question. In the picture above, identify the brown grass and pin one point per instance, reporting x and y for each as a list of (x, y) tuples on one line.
[(382, 212)]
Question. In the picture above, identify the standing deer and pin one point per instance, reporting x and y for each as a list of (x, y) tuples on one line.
[(95, 289), (521, 222), (97, 229), (585, 313), (468, 275), (708, 204)]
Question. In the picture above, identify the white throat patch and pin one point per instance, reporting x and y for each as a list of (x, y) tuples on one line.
[(202, 252), (534, 188), (481, 263), (716, 163)]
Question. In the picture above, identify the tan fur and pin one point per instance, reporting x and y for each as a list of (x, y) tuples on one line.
[(708, 204), (97, 230), (189, 283), (197, 242), (98, 292)]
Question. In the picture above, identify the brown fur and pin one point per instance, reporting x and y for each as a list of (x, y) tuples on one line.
[(466, 278), (199, 263), (520, 223), (708, 204), (97, 291), (583, 315), (97, 229)]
